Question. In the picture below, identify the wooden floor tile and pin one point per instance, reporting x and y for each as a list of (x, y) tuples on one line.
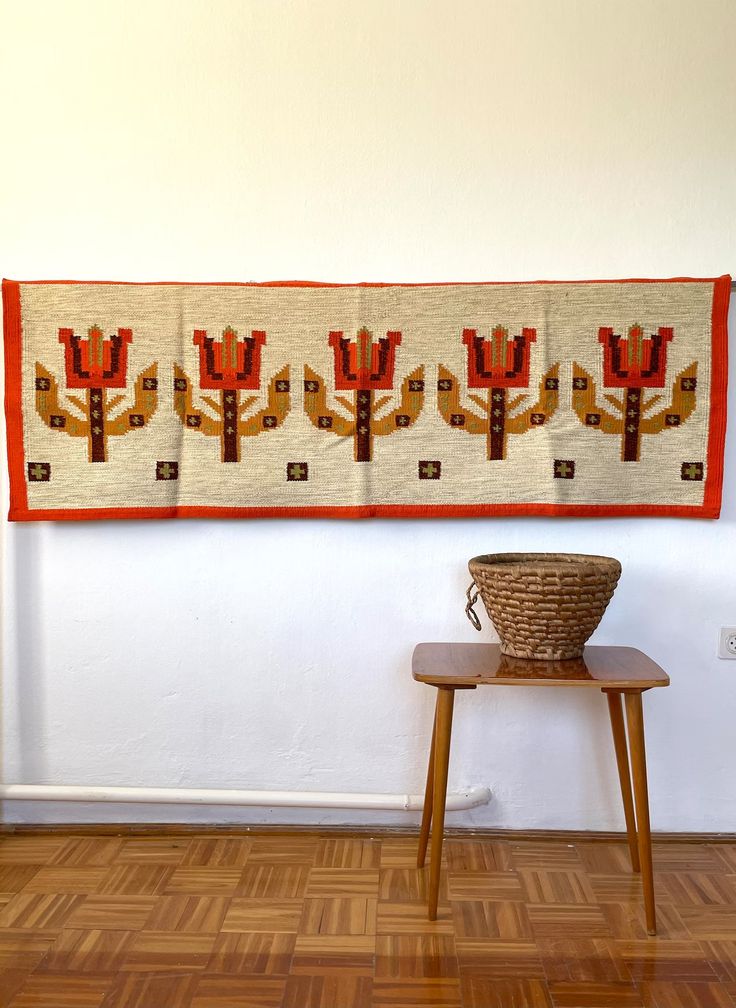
[(481, 992), (490, 919), (484, 957), (485, 885), (327, 992), (217, 852), (39, 910), (415, 957), (722, 958), (187, 913), (24, 949), (48, 990), (35, 850), (203, 881), (402, 853), (342, 882), (556, 886), (583, 960), (252, 953), (151, 990), (698, 888), (724, 854), (322, 954), (411, 918), (715, 923), (407, 884), (350, 915), (477, 855), (134, 879), (263, 915), (162, 951), (78, 951), (279, 881), (121, 913), (349, 854), (595, 995), (66, 880), (11, 981), (153, 850), (576, 920), (673, 960), (604, 858), (14, 877), (543, 854), (623, 887), (87, 852), (678, 994), (686, 857), (627, 921), (238, 992), (730, 989), (283, 850), (442, 993)]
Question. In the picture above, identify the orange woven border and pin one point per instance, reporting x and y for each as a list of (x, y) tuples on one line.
[(710, 508), (13, 403)]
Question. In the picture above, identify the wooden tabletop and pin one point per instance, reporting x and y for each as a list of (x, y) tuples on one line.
[(483, 664)]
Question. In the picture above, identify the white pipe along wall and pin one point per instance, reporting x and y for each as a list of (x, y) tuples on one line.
[(314, 139), (469, 798)]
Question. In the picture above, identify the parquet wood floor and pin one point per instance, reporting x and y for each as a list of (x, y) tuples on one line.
[(318, 921)]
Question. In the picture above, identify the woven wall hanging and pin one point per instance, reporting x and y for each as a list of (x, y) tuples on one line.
[(294, 399)]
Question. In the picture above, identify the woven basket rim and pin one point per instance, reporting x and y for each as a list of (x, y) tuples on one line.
[(509, 561)]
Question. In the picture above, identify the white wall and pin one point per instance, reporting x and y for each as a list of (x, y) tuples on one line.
[(346, 141)]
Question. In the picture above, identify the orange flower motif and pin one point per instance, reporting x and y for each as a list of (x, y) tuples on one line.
[(363, 363), (229, 363), (637, 361), (502, 361), (96, 362)]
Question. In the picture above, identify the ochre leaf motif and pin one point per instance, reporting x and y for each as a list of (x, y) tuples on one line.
[(315, 405), (278, 406), (584, 402), (96, 423), (633, 423), (145, 403), (364, 422), (48, 405), (546, 403), (184, 407), (498, 421), (683, 403), (411, 404), (448, 402), (230, 423)]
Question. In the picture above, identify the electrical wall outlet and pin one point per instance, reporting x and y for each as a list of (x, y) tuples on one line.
[(727, 643)]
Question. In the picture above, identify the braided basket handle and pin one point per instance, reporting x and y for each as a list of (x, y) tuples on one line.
[(472, 597)]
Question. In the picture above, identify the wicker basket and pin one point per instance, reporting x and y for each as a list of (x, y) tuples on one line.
[(543, 605)]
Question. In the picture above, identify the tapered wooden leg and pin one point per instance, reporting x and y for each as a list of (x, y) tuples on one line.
[(443, 730), (428, 796), (635, 721), (616, 712)]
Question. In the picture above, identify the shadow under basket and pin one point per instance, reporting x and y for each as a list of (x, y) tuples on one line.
[(543, 605)]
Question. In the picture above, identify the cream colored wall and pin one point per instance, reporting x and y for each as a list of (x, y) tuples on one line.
[(358, 141)]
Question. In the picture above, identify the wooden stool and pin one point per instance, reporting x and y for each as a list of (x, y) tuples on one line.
[(616, 671)]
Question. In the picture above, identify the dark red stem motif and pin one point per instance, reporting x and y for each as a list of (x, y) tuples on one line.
[(632, 420), (363, 411), (496, 423), (230, 437), (96, 425)]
